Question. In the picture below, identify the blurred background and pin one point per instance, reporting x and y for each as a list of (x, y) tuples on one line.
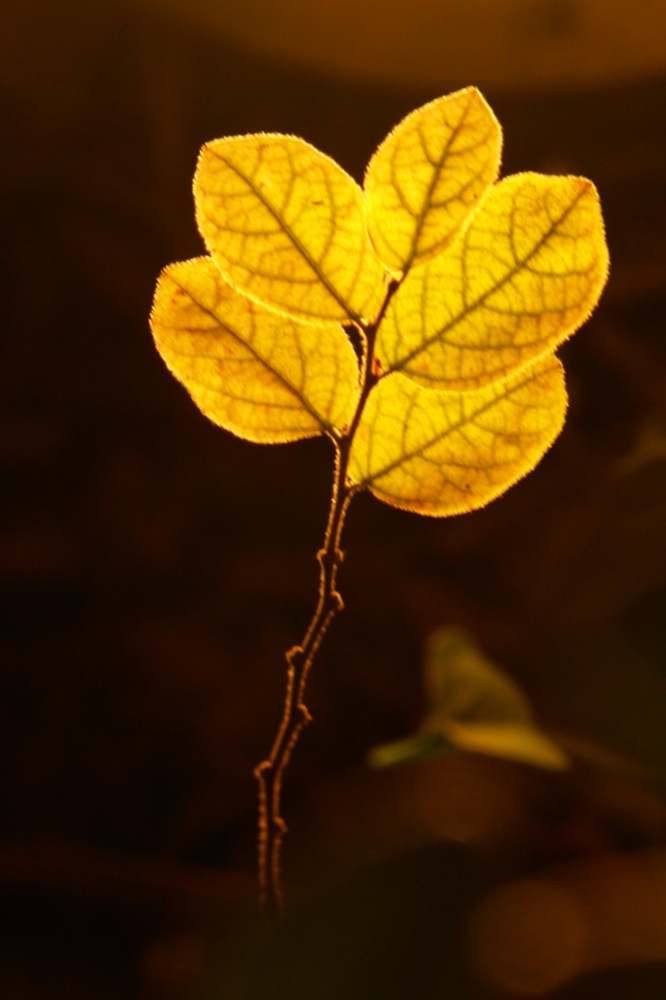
[(153, 569)]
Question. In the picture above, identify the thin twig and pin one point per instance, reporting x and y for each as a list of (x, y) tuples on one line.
[(272, 827), (270, 772)]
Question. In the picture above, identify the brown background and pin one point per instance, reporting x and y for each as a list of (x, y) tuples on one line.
[(153, 569)]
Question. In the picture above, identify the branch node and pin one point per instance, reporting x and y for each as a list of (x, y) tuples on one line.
[(261, 769), (293, 655)]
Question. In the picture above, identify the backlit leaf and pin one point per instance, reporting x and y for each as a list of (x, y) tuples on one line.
[(286, 225), (428, 174), (263, 376), (524, 273), (473, 706), (443, 453)]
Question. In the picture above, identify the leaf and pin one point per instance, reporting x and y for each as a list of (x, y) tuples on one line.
[(525, 272), (423, 746), (263, 376), (477, 707), (286, 225), (427, 176), (443, 453), (473, 706)]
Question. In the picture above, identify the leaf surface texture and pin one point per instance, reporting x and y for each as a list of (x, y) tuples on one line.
[(287, 226), (523, 274), (263, 376), (427, 176), (443, 453)]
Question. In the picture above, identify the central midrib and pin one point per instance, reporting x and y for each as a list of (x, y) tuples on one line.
[(285, 381), (491, 291), (437, 167), (417, 452), (293, 237)]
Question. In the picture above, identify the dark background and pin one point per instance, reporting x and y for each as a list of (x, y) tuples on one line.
[(154, 569)]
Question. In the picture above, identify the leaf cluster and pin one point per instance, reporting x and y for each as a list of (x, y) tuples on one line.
[(460, 289)]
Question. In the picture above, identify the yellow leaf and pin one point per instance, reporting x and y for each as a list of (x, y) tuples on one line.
[(443, 453), (524, 273), (263, 376), (427, 176), (286, 225)]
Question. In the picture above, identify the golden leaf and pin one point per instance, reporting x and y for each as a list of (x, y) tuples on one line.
[(286, 225), (428, 174), (524, 273), (443, 453), (263, 376)]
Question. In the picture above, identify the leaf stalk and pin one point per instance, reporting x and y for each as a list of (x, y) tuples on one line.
[(270, 772)]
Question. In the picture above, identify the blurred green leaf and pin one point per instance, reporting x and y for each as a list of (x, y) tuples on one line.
[(474, 707)]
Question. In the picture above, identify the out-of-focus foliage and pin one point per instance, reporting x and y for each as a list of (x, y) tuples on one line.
[(473, 706), (507, 44)]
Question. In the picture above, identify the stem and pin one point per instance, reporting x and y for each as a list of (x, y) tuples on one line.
[(272, 827), (270, 772)]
